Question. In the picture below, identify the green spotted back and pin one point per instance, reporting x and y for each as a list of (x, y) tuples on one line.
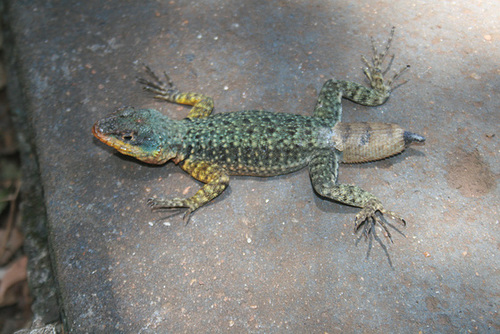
[(254, 142)]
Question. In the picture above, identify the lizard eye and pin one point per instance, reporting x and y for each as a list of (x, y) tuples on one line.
[(128, 136)]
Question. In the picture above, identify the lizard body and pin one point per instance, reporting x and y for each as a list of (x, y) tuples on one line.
[(211, 148)]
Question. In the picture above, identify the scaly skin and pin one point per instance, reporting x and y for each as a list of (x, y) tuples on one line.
[(262, 143)]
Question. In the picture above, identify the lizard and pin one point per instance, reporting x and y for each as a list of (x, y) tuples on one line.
[(213, 147)]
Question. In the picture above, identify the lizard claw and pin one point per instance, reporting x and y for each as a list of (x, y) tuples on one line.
[(367, 217), (176, 204), (157, 86), (152, 203), (374, 71), (187, 215)]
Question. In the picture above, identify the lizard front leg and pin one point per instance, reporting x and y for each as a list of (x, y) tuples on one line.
[(323, 170), (216, 180), (202, 104)]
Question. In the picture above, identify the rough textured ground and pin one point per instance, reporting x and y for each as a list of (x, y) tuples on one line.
[(268, 255)]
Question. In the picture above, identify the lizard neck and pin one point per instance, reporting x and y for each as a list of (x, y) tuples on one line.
[(171, 139)]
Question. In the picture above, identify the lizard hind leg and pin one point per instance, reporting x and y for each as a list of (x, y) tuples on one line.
[(374, 71), (323, 170), (368, 218)]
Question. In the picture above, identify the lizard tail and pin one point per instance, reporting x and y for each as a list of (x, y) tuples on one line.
[(363, 142)]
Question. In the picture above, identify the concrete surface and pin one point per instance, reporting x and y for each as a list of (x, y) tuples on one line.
[(268, 255)]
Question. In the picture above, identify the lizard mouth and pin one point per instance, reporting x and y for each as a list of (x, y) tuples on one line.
[(121, 143), (99, 134), (96, 132), (112, 141)]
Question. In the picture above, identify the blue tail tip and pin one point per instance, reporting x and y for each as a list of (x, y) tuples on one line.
[(410, 137)]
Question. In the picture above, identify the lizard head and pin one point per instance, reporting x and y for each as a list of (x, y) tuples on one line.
[(134, 132)]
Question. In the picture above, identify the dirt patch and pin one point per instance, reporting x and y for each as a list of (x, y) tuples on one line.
[(469, 173)]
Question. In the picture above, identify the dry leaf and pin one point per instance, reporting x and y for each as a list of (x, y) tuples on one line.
[(13, 244), (15, 273)]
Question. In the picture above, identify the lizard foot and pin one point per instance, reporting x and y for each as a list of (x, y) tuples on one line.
[(162, 90), (367, 217), (374, 72), (175, 203)]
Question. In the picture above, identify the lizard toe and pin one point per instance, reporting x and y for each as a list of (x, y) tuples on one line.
[(369, 218)]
